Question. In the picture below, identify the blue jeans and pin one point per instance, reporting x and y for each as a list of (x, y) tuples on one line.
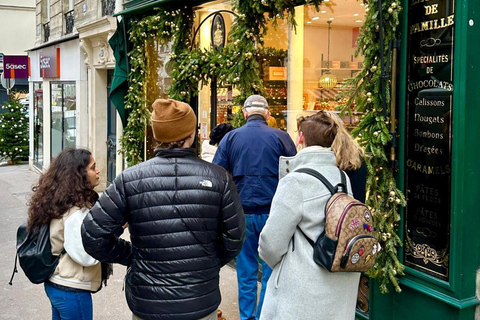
[(67, 305), (247, 269)]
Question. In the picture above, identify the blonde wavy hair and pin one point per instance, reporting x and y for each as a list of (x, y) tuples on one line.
[(327, 129)]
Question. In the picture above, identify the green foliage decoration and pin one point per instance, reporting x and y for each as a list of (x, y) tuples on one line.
[(373, 133), (13, 131), (236, 64)]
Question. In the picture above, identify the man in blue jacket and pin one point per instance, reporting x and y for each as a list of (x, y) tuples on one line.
[(251, 154)]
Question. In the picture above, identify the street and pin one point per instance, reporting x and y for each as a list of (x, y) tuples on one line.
[(24, 300)]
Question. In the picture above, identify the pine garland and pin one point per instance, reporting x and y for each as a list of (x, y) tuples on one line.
[(13, 131), (373, 133)]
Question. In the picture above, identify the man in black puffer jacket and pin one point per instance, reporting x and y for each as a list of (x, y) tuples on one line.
[(185, 220)]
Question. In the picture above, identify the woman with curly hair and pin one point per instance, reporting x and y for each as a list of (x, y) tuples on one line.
[(62, 198)]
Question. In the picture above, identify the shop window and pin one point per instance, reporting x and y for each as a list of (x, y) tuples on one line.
[(63, 117), (329, 55), (38, 125)]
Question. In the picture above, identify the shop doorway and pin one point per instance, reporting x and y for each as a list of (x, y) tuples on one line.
[(111, 133)]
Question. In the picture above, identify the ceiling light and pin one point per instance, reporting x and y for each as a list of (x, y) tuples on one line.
[(355, 14), (323, 11), (328, 80), (330, 18), (315, 18), (358, 21), (309, 21)]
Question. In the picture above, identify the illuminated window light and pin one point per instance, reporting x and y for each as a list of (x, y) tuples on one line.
[(315, 18)]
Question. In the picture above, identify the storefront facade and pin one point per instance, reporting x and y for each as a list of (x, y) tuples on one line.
[(58, 90), (434, 151)]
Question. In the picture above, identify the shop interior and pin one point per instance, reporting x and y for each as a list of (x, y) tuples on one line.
[(328, 50)]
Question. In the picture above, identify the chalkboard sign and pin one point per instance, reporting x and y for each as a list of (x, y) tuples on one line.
[(428, 136)]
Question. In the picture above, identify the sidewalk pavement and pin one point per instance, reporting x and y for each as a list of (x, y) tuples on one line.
[(24, 300)]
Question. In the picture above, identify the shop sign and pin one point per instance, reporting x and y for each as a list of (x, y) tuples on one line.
[(50, 63), (429, 136), (218, 31), (16, 67)]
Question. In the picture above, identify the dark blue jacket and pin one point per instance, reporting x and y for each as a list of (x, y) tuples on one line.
[(251, 154)]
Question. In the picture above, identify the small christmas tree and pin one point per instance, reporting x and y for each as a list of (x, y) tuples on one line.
[(13, 131)]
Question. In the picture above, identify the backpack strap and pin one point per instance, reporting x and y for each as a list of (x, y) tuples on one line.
[(15, 270), (324, 180), (320, 177)]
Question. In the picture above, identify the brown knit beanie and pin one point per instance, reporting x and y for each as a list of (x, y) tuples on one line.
[(172, 120)]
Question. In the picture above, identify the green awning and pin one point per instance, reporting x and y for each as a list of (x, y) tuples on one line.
[(119, 86), (141, 6)]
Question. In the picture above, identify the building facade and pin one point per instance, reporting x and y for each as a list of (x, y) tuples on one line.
[(18, 17)]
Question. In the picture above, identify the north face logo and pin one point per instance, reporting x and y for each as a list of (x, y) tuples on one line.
[(206, 183)]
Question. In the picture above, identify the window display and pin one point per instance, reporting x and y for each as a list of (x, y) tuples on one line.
[(331, 60), (63, 117)]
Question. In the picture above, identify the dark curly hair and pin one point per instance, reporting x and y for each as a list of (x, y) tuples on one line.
[(63, 186)]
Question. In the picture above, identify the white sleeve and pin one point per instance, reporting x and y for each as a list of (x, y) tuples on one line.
[(73, 239)]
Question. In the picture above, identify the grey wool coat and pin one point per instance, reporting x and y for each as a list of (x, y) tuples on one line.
[(299, 288)]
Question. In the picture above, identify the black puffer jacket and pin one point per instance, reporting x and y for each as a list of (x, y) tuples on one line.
[(185, 220)]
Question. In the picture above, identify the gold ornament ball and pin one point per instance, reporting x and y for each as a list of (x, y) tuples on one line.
[(394, 271), (391, 199), (369, 94), (369, 100), (398, 201), (373, 68), (393, 5), (390, 10), (389, 235), (375, 134), (379, 196), (392, 193), (384, 238)]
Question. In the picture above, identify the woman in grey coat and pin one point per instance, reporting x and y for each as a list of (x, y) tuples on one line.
[(299, 288)]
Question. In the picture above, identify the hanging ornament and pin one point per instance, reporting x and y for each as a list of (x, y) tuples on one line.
[(390, 10), (393, 5), (373, 68), (392, 193)]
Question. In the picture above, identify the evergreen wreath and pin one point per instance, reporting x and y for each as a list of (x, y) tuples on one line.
[(236, 64)]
